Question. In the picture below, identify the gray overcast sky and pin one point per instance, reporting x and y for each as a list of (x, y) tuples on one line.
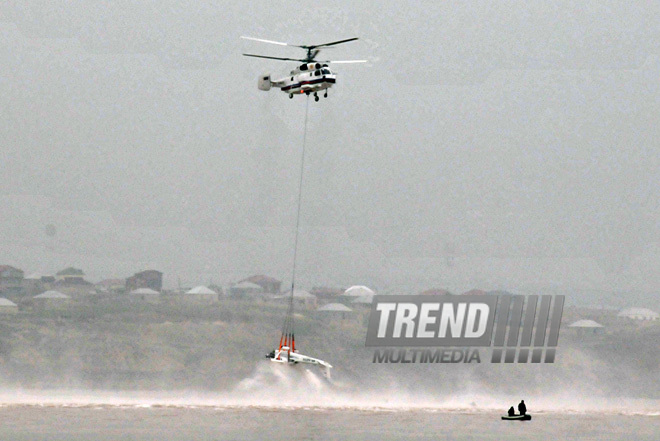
[(519, 139)]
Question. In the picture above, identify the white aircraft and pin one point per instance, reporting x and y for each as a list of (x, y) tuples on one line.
[(310, 77), (288, 356)]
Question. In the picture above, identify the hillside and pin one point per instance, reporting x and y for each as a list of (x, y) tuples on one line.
[(118, 344)]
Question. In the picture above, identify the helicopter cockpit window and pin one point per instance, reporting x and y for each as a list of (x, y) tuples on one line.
[(326, 71)]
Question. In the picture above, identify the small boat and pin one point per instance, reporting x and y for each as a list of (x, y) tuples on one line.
[(525, 417)]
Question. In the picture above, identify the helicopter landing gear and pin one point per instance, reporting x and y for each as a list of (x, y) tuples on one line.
[(290, 96), (316, 96), (325, 95)]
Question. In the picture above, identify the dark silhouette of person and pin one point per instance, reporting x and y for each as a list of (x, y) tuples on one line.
[(522, 408), (511, 411)]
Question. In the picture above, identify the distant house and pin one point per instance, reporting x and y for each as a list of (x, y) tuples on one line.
[(33, 284), (638, 314), (52, 300), (245, 289), (71, 276), (216, 288), (334, 311), (147, 295), (584, 326), (111, 285), (435, 292), (267, 284), (324, 292), (499, 292), (304, 299), (7, 306), (11, 280), (363, 301), (151, 279), (359, 291), (72, 281), (474, 292), (200, 294)]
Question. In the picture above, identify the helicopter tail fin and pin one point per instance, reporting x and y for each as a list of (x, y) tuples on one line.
[(264, 82)]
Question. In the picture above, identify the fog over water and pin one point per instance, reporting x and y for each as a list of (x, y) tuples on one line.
[(310, 407), (517, 141), (271, 387)]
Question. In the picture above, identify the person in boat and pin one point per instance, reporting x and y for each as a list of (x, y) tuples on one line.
[(271, 354), (522, 408), (511, 411)]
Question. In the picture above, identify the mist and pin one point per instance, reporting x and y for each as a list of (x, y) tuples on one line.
[(517, 140)]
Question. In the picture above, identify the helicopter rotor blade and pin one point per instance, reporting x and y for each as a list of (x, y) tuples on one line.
[(279, 43), (344, 61), (330, 44), (273, 58)]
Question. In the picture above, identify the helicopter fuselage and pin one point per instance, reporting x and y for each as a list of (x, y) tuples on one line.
[(308, 82), (308, 78)]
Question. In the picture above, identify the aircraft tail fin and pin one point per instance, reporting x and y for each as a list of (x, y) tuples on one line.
[(326, 372)]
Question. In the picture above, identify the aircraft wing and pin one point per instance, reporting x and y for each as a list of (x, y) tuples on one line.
[(300, 358)]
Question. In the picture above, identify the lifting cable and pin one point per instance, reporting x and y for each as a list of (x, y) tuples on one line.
[(288, 337)]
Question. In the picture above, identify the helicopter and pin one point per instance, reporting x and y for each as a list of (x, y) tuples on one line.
[(310, 77)]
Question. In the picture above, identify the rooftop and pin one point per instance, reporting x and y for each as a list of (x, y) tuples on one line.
[(111, 282), (71, 271), (147, 272), (363, 300), (300, 293), (474, 292), (247, 285), (435, 292), (335, 307), (260, 278), (144, 291), (638, 312), (8, 267), (6, 302), (201, 290), (52, 295), (585, 324), (358, 291)]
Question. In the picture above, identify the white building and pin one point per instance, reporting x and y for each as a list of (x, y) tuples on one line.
[(302, 299), (52, 300), (359, 291), (7, 306), (363, 300), (145, 295), (583, 326), (245, 289), (638, 314), (334, 310), (201, 294)]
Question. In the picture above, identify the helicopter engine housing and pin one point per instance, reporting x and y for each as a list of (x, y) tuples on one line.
[(264, 82)]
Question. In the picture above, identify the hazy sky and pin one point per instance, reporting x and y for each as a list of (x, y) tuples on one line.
[(516, 141)]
